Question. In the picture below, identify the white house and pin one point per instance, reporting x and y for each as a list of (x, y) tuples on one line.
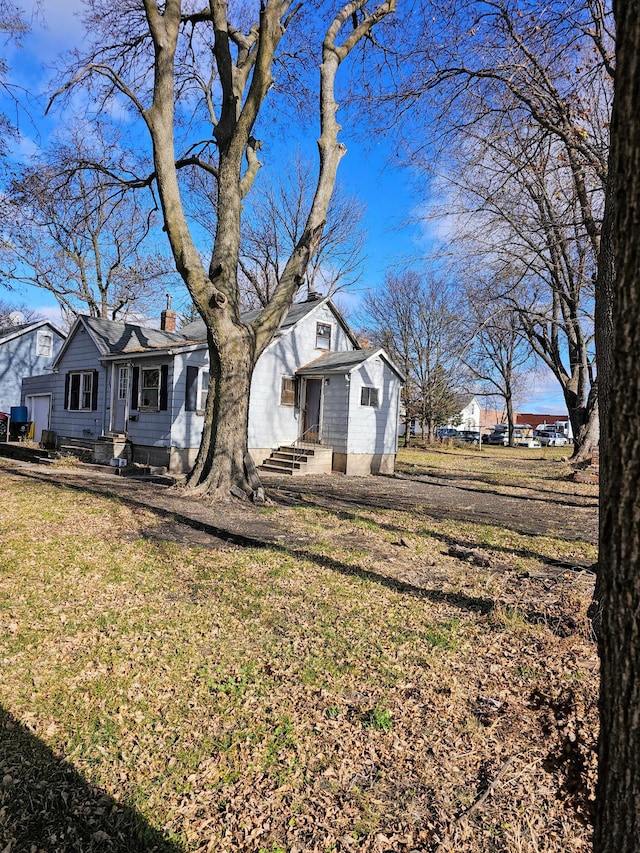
[(466, 419), (118, 383)]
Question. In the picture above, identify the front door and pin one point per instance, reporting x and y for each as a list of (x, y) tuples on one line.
[(39, 412), (312, 401), (121, 398)]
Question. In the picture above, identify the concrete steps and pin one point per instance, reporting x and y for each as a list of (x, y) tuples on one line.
[(297, 461)]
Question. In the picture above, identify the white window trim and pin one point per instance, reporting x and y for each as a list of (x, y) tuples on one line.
[(147, 369), (203, 390), (81, 391), (369, 389), (320, 337)]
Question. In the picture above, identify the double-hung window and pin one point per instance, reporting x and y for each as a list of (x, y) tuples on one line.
[(150, 388), (80, 391), (203, 390), (197, 388), (323, 336)]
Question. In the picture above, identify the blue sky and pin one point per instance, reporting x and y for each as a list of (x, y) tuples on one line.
[(388, 191)]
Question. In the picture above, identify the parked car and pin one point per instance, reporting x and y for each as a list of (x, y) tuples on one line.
[(521, 437), (548, 438), (469, 436), (499, 436), (447, 432)]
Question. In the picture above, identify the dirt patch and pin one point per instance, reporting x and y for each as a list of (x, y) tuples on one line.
[(532, 513)]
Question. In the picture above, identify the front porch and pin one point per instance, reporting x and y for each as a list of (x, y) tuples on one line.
[(299, 459)]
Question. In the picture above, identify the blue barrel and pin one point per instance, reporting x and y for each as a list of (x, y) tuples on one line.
[(19, 413)]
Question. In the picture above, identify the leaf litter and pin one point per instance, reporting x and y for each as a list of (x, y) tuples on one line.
[(171, 696)]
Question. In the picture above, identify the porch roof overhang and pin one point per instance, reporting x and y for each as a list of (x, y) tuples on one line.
[(341, 363)]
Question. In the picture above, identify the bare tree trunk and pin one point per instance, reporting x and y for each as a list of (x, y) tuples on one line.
[(585, 423), (219, 468), (508, 401), (617, 824)]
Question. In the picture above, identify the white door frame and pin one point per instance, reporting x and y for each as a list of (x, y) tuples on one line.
[(29, 403), (115, 390)]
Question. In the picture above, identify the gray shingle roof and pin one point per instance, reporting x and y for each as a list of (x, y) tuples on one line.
[(337, 362), (196, 331), (113, 337), (8, 332), (14, 330)]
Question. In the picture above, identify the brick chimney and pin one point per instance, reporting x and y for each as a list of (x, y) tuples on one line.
[(168, 317)]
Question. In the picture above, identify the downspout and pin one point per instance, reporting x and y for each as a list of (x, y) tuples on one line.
[(104, 407)]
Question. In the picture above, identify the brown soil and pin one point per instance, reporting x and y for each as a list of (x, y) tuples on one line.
[(569, 516)]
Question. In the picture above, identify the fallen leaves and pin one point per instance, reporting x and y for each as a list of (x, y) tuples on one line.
[(193, 699)]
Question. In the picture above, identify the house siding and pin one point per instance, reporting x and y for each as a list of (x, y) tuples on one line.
[(151, 429), (270, 423), (362, 437), (373, 429), (19, 360), (335, 412), (187, 426), (82, 356)]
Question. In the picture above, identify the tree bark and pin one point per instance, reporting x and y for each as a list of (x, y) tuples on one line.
[(617, 825), (220, 463)]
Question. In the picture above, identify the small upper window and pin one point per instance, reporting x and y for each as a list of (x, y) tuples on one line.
[(369, 397), (288, 391), (44, 344), (323, 336)]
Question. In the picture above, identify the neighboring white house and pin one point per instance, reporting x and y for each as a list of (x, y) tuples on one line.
[(312, 384), (467, 418)]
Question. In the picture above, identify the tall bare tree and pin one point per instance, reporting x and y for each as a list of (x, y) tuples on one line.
[(14, 313), (617, 823), (208, 69), (518, 216), (496, 352), (274, 224), (12, 27), (522, 103), (74, 232), (414, 318)]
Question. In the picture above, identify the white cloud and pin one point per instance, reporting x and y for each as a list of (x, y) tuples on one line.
[(58, 28), (544, 395)]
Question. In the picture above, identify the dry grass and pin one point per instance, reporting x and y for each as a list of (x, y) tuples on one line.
[(376, 696)]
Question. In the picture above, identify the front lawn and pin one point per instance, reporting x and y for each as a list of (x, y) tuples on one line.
[(159, 695)]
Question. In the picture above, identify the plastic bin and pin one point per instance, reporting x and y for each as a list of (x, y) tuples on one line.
[(20, 414)]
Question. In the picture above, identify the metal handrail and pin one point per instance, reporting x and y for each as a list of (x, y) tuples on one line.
[(296, 446)]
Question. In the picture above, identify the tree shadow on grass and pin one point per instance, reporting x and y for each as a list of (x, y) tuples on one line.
[(353, 507), (527, 493), (277, 542), (47, 806)]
